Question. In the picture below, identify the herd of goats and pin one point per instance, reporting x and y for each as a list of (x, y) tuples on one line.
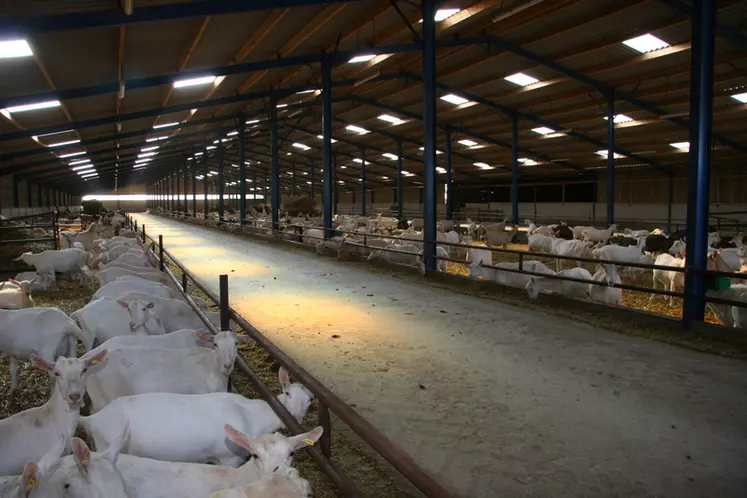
[(154, 381), (386, 238)]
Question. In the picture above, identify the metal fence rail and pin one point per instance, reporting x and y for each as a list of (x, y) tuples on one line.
[(36, 220), (328, 401)]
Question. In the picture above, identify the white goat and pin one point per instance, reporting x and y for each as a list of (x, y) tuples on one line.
[(631, 254), (540, 243), (578, 232), (572, 248), (28, 435), (285, 483), (451, 237), (636, 234), (46, 331), (564, 287), (410, 258), (606, 294), (180, 339), (188, 371), (62, 261), (595, 235), (16, 295), (27, 484), (44, 281), (206, 413), (132, 259), (86, 237), (441, 265), (477, 254), (669, 279), (112, 274), (118, 288)]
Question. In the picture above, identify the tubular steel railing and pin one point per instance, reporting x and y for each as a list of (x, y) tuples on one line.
[(327, 400), (7, 224)]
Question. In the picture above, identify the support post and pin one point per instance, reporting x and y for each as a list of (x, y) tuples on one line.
[(177, 191), (428, 11), (400, 182), (699, 175), (29, 196), (363, 183), (275, 171), (205, 187), (166, 182), (160, 252), (242, 170), (515, 169), (49, 203), (611, 157), (224, 316), (221, 182), (327, 147), (449, 186), (193, 172), (16, 194)]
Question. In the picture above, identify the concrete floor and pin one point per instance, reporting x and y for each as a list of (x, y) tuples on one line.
[(495, 400)]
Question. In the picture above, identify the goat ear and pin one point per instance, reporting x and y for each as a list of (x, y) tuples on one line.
[(82, 455), (14, 282), (41, 363), (242, 338), (123, 304), (96, 361), (307, 439), (284, 378), (682, 253), (29, 479), (204, 337), (239, 438)]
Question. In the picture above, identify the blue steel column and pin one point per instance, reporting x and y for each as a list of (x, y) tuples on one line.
[(274, 170), (449, 187), (363, 183), (186, 203), (699, 175), (428, 9), (400, 181), (515, 169), (327, 147), (611, 157), (205, 186), (221, 182), (335, 186), (242, 170)]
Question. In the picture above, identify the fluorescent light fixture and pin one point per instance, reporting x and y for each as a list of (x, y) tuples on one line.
[(440, 170), (360, 161), (442, 14), (47, 104), (468, 143), (321, 137), (138, 166), (392, 119), (146, 154), (407, 173), (604, 154), (741, 97), (90, 175), (72, 154), (14, 48), (198, 153), (301, 146), (59, 144), (684, 146), (356, 129), (85, 171), (54, 133), (454, 99), (155, 139), (82, 168), (201, 80), (232, 133), (437, 151), (361, 58), (80, 161), (343, 167), (391, 156), (529, 162), (165, 125), (252, 121), (521, 79), (340, 182), (484, 166), (306, 91), (645, 43), (280, 106), (148, 149), (543, 130), (210, 147), (213, 172), (620, 118)]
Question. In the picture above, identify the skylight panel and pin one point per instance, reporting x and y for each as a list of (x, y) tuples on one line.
[(391, 119), (165, 125), (646, 43), (391, 156), (543, 130), (47, 104), (14, 48), (468, 143), (83, 168), (442, 14), (741, 97), (198, 153), (454, 99), (213, 172), (484, 166), (529, 162), (357, 129), (521, 79), (148, 149), (201, 80), (60, 144), (301, 146), (620, 118), (681, 146), (360, 161), (361, 58), (72, 154), (321, 137)]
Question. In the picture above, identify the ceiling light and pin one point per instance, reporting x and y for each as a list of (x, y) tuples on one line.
[(90, 175), (683, 146), (306, 91), (34, 107), (138, 166), (620, 118), (356, 129), (301, 146), (321, 137), (144, 160), (14, 48), (155, 139), (210, 147), (213, 172), (146, 154), (468, 143), (407, 173), (89, 169), (155, 127), (59, 144), (80, 161), (454, 99), (437, 151), (543, 130), (521, 79), (441, 170), (391, 156), (646, 43), (442, 14), (529, 162), (484, 166), (82, 168), (741, 97), (392, 119), (361, 58), (280, 106), (252, 121), (198, 153), (148, 149), (232, 133), (360, 161), (604, 153), (202, 80), (53, 133), (72, 154)]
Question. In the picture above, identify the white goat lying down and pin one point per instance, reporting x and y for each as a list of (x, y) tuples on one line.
[(16, 295), (165, 441), (143, 370), (28, 435), (285, 483), (565, 287), (147, 478)]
